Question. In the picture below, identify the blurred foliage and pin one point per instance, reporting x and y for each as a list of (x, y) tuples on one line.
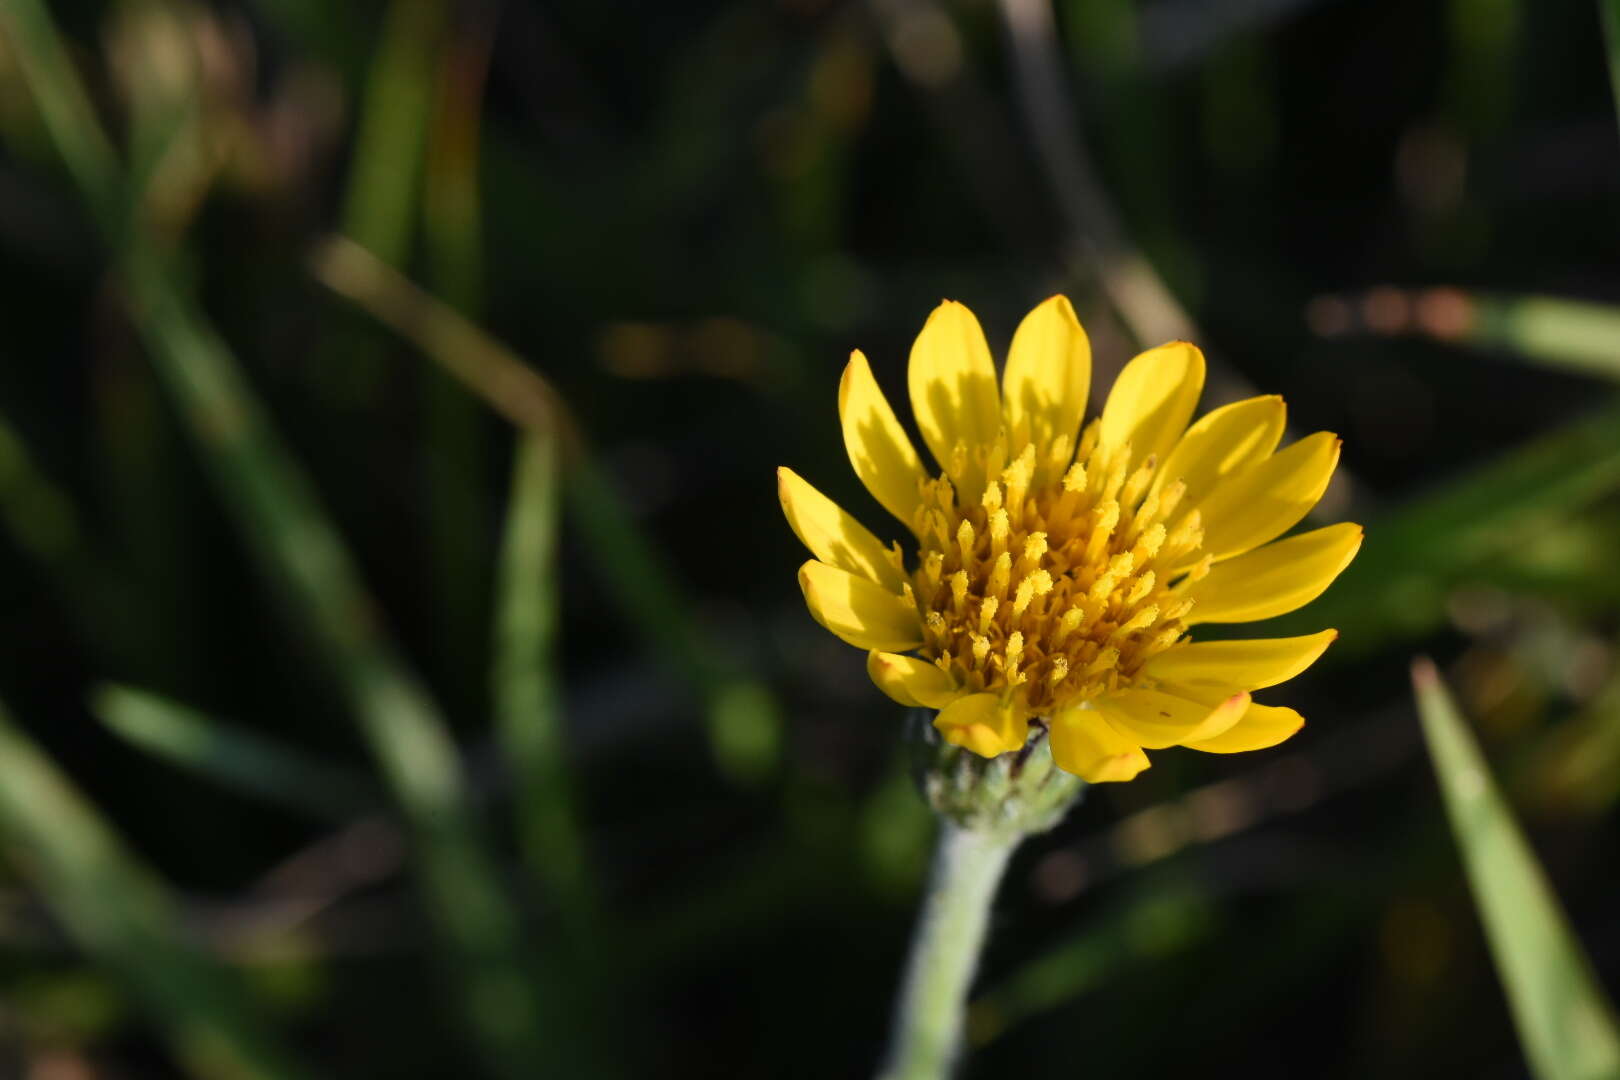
[(1565, 1021), (404, 379)]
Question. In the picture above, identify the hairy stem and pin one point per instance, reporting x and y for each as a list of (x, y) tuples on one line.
[(968, 865)]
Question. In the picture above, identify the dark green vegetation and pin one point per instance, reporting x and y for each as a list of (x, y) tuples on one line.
[(349, 733)]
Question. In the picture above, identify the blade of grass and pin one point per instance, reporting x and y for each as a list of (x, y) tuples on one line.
[(528, 712), (1396, 589), (106, 605), (1569, 334), (386, 170), (38, 514), (65, 107), (459, 431), (239, 759), (1550, 331), (120, 912), (1565, 1023), (1161, 918), (525, 689), (278, 513), (1609, 10), (744, 718)]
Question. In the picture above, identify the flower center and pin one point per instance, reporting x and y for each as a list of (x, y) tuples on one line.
[(1062, 581)]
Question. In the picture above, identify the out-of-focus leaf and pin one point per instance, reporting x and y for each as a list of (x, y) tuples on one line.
[(237, 758), (1575, 768), (1162, 918), (1610, 12), (1565, 1023), (1558, 333), (117, 910), (276, 509), (744, 718), (1550, 331), (527, 702), (381, 199), (1396, 589)]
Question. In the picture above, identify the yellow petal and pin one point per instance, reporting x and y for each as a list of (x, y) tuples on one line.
[(1047, 379), (1153, 399), (1269, 497), (878, 446), (1274, 579), (910, 680), (982, 724), (1155, 719), (1259, 727), (833, 536), (1084, 744), (864, 614), (1243, 665), (1222, 443), (954, 395)]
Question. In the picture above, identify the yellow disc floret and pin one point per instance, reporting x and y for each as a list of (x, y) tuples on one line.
[(1053, 593)]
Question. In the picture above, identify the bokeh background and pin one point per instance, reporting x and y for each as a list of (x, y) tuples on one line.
[(677, 837)]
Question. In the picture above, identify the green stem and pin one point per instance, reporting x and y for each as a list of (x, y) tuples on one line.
[(968, 865)]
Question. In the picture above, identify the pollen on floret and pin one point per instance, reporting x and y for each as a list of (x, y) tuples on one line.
[(1060, 579)]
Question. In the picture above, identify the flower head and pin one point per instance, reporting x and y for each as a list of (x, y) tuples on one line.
[(1053, 574)]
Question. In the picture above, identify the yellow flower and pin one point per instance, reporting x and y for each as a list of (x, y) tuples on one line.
[(1058, 579)]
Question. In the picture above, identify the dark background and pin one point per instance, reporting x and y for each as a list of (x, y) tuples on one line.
[(684, 216)]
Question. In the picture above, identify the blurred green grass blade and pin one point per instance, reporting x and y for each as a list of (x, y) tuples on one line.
[(529, 724), (37, 513), (1160, 919), (527, 698), (459, 468), (119, 912), (1565, 1024), (65, 106), (1472, 518), (452, 203), (239, 759), (1575, 768), (1568, 334), (277, 511), (386, 170), (1396, 588), (1609, 10), (1551, 331), (743, 715)]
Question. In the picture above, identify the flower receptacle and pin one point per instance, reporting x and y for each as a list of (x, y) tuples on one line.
[(1018, 793)]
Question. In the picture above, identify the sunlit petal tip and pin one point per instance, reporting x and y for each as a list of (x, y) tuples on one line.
[(879, 448), (1047, 378), (1248, 664), (1153, 399), (911, 681), (1221, 718), (1085, 745), (983, 724), (1267, 498), (859, 611), (1274, 579), (1260, 728), (833, 535), (952, 381), (979, 738), (1223, 443)]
